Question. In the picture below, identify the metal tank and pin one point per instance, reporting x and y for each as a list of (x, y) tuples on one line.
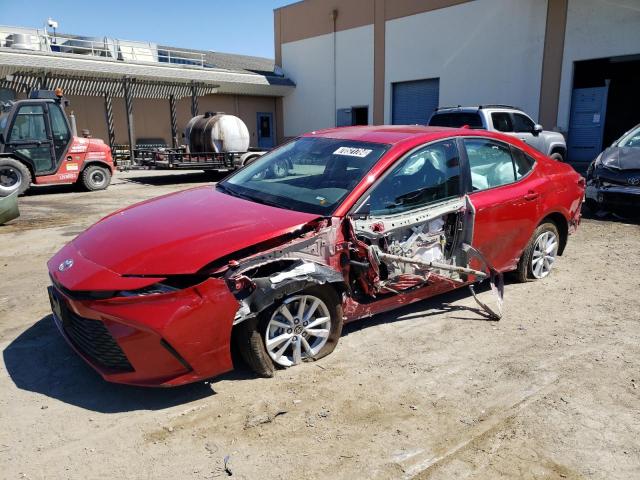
[(216, 133)]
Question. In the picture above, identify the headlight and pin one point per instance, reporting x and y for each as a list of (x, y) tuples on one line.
[(155, 289)]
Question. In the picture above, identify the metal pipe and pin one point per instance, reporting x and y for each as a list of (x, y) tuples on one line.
[(440, 266), (74, 125), (108, 111), (128, 101), (194, 100), (174, 122)]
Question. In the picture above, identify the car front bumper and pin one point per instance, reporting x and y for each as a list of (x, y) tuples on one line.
[(158, 340), (614, 195)]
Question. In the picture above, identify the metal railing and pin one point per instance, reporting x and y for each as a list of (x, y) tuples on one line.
[(104, 47)]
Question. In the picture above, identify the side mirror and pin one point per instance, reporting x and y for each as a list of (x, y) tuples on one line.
[(537, 129)]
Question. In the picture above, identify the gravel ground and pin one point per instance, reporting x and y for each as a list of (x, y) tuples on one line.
[(431, 391)]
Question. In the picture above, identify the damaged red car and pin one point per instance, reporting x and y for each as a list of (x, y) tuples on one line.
[(333, 226)]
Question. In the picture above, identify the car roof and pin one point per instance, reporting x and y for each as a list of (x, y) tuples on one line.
[(388, 134)]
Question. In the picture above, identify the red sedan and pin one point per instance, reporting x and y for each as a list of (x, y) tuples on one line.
[(331, 227)]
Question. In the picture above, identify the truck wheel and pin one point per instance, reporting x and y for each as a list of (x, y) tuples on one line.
[(14, 176), (95, 177), (557, 156), (303, 326)]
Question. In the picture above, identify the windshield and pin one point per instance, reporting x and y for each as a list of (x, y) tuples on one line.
[(630, 139), (309, 174)]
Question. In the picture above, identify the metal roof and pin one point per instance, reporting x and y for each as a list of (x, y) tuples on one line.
[(86, 75)]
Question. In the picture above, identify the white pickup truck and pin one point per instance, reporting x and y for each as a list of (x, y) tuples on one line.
[(504, 119)]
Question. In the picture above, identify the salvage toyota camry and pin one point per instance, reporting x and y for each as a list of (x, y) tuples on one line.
[(333, 226)]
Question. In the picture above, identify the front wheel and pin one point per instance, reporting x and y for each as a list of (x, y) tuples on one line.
[(301, 327), (14, 177), (538, 258), (95, 177), (557, 156)]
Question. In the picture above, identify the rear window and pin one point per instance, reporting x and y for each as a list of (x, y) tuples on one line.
[(456, 120)]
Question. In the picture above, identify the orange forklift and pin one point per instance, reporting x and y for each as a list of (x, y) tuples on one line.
[(38, 145)]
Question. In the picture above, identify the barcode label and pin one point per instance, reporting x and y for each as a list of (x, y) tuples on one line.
[(352, 152)]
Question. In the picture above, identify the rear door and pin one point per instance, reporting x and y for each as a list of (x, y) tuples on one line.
[(505, 191), (30, 140)]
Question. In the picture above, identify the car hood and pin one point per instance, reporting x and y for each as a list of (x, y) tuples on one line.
[(181, 233), (621, 158)]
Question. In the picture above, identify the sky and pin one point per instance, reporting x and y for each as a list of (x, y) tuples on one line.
[(230, 26)]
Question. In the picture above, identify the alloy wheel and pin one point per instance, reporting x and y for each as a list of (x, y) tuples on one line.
[(544, 254), (297, 330)]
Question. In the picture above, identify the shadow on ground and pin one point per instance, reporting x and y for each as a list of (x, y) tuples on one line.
[(627, 216), (39, 360)]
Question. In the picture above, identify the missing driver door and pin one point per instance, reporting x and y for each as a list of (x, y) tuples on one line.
[(416, 216)]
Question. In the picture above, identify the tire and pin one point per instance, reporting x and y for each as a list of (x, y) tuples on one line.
[(557, 156), (14, 176), (95, 177), (526, 270), (253, 333)]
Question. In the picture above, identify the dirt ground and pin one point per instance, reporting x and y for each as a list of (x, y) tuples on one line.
[(432, 391)]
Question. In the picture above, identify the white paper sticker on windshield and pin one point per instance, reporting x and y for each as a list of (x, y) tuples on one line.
[(353, 152)]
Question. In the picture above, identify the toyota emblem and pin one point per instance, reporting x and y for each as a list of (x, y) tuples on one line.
[(66, 265), (634, 181)]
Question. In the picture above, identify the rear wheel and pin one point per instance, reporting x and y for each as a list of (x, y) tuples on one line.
[(557, 156), (302, 327), (95, 177), (538, 258), (14, 177)]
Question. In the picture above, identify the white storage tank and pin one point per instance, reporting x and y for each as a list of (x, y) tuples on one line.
[(216, 133)]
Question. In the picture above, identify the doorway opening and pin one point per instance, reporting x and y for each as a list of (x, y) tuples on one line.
[(348, 117), (606, 98)]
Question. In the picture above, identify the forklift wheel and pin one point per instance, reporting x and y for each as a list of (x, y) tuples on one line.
[(95, 177), (14, 176)]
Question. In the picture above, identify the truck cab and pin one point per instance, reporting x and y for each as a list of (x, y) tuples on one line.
[(37, 146), (503, 119)]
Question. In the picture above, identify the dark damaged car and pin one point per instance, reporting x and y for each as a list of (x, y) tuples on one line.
[(329, 228), (613, 179)]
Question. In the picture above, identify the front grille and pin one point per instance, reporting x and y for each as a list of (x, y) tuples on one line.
[(91, 337)]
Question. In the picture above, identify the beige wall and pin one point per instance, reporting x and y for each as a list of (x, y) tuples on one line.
[(152, 119)]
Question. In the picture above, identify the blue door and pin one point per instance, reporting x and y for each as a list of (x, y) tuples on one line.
[(586, 126), (414, 102), (265, 130)]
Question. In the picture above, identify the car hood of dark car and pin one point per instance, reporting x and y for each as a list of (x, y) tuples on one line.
[(621, 158), (181, 233)]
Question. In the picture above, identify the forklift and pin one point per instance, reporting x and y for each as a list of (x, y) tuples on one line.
[(38, 145)]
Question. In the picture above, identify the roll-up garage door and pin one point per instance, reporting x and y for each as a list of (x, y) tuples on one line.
[(414, 102)]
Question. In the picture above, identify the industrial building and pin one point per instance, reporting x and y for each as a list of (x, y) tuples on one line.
[(138, 92), (574, 65)]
